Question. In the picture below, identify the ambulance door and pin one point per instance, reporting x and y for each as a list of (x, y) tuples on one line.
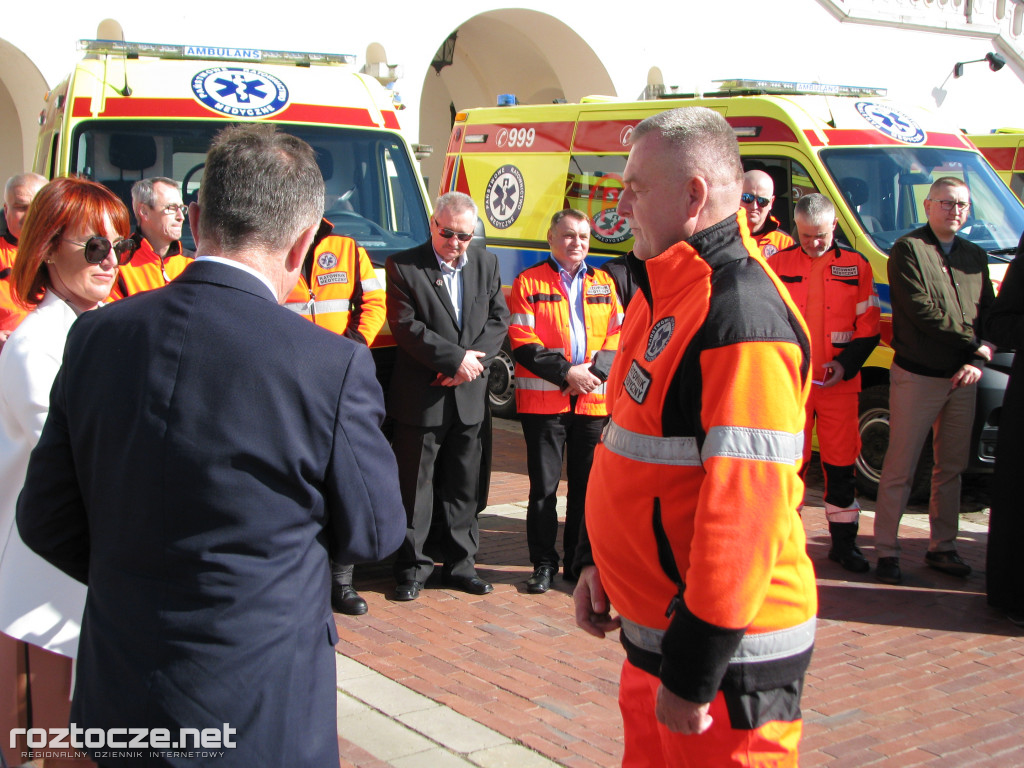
[(792, 181)]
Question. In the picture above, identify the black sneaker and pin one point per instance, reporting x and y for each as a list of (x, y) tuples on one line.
[(888, 570), (948, 562)]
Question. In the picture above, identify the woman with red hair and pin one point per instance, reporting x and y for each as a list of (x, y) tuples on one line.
[(72, 243)]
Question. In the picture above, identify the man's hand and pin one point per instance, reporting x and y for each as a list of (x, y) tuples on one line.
[(580, 380), (833, 373), (469, 369), (984, 352), (967, 375), (679, 715), (592, 609)]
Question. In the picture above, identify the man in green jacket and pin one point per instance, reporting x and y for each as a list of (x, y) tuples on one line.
[(940, 292)]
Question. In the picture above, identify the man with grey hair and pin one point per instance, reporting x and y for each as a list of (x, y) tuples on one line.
[(692, 530), (447, 313), (941, 294), (835, 291), (160, 257), (18, 194), (205, 451)]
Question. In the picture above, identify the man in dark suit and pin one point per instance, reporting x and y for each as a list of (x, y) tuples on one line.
[(448, 316), (205, 451)]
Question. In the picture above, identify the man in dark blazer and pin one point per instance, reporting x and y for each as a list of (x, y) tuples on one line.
[(205, 451), (448, 316)]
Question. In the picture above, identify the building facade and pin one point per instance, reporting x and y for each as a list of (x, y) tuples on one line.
[(442, 59)]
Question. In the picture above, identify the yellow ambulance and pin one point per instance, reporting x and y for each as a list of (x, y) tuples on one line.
[(873, 158), (1004, 150), (134, 110)]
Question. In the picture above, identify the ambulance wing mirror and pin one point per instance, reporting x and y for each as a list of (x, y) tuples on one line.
[(479, 234), (914, 179)]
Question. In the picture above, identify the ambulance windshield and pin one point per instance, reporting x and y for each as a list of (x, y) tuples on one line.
[(372, 192), (885, 188)]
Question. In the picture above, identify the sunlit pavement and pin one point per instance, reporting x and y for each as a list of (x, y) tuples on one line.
[(921, 674)]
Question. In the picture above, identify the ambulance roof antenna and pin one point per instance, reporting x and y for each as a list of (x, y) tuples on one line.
[(110, 29)]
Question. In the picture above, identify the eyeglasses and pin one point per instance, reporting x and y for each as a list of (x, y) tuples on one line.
[(98, 248), (448, 234), (748, 198), (948, 205), (173, 209)]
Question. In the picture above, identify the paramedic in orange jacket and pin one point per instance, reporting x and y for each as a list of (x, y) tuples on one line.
[(18, 194), (160, 257), (692, 505), (338, 290), (564, 332), (835, 292), (757, 200)]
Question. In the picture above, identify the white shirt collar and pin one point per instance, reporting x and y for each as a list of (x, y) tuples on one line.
[(244, 267)]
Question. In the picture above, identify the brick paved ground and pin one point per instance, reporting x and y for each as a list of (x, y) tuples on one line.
[(918, 675)]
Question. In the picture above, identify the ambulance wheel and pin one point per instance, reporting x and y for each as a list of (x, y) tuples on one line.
[(874, 439), (501, 384)]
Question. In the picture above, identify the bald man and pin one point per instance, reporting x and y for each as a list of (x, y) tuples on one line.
[(757, 199), (18, 193)]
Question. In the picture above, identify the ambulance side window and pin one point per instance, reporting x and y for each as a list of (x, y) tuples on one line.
[(593, 184), (792, 181)]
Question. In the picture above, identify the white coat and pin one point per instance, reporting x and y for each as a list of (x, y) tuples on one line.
[(38, 603)]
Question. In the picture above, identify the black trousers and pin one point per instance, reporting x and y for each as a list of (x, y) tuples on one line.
[(548, 437), (453, 451)]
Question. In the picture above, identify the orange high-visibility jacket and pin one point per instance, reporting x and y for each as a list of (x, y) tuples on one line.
[(771, 239), (694, 490), (851, 312), (342, 292), (10, 312), (147, 270), (541, 345)]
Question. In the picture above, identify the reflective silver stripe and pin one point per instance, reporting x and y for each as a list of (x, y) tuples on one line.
[(299, 307), (842, 337), (530, 321), (536, 385), (642, 637), (756, 444), (863, 306), (754, 648), (333, 305), (371, 284), (677, 451), (597, 390), (559, 350)]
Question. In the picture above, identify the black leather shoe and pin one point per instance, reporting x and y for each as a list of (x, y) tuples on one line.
[(408, 590), (541, 579), (948, 562), (344, 599), (888, 570), (474, 585)]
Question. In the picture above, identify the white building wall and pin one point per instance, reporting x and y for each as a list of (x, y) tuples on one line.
[(692, 43)]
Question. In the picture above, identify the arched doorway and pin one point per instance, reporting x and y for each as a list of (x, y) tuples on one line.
[(527, 53), (22, 88)]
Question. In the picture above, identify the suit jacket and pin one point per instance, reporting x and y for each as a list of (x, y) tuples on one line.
[(422, 320), (204, 452)]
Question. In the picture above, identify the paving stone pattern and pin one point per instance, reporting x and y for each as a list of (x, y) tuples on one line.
[(922, 674)]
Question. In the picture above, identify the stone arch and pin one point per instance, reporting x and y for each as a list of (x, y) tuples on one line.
[(22, 89), (531, 54)]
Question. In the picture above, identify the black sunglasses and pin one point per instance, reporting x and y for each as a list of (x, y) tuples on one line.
[(748, 198), (97, 248), (448, 234)]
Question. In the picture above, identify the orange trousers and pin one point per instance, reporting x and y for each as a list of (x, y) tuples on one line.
[(649, 744)]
